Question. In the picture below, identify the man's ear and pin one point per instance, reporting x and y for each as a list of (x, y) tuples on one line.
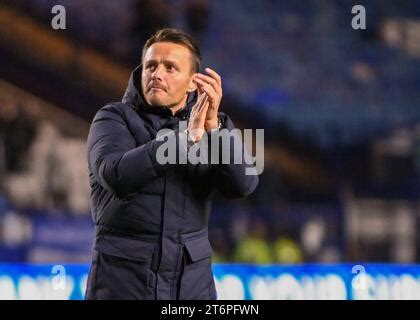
[(192, 86)]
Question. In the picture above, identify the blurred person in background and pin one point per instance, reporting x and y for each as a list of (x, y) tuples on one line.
[(287, 251), (254, 247), (40, 168), (151, 218), (29, 144), (17, 133)]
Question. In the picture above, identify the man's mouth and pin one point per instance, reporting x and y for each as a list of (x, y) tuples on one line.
[(156, 88)]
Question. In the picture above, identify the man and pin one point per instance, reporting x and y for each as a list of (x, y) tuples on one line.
[(151, 217)]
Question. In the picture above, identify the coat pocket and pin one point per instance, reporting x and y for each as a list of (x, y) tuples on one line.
[(197, 276), (123, 268), (198, 248)]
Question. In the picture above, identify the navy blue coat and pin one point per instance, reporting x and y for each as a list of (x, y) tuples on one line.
[(151, 239)]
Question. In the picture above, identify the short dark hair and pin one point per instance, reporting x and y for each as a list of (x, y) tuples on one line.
[(179, 37)]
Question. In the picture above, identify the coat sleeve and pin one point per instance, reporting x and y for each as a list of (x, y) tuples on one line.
[(230, 179), (113, 157)]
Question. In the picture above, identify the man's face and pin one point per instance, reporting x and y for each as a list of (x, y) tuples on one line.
[(167, 75)]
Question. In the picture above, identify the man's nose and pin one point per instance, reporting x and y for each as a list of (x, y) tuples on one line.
[(158, 72)]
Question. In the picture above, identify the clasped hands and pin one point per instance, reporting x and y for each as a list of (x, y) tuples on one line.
[(204, 113)]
